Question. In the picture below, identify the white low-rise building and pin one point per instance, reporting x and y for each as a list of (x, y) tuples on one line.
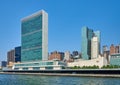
[(100, 61), (40, 65)]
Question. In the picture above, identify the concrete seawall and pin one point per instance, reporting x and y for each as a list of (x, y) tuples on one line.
[(68, 72), (65, 74)]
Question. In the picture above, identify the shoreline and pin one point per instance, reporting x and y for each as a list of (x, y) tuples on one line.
[(65, 74)]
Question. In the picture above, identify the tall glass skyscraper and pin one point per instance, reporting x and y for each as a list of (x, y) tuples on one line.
[(87, 35), (35, 37), (34, 49)]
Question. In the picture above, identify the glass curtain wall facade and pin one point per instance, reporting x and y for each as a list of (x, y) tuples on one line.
[(42, 65), (115, 59), (18, 54), (87, 35), (34, 37)]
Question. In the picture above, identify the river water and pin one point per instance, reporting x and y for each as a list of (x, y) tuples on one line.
[(55, 80)]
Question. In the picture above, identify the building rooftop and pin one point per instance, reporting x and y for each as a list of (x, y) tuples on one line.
[(33, 15)]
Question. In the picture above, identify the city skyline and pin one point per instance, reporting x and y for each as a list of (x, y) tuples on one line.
[(64, 24)]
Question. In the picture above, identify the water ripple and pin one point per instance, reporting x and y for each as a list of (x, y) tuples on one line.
[(55, 80)]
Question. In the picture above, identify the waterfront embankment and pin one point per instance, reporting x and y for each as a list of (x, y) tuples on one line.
[(65, 74)]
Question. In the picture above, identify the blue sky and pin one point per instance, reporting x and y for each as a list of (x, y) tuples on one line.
[(66, 18)]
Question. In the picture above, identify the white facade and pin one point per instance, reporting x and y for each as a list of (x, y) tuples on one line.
[(94, 47), (100, 61), (67, 55), (45, 35)]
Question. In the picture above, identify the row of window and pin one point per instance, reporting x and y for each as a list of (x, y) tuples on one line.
[(35, 23), (32, 40), (34, 68), (33, 54), (36, 64)]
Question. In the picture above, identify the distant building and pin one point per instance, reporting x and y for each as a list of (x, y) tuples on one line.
[(115, 59), (116, 49), (119, 48), (67, 56), (105, 48), (98, 35), (56, 56), (3, 63), (11, 57), (94, 47), (106, 54), (62, 55), (100, 61), (18, 54), (75, 53), (112, 49), (87, 35)]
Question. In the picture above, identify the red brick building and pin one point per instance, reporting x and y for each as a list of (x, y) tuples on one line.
[(112, 49), (56, 55)]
